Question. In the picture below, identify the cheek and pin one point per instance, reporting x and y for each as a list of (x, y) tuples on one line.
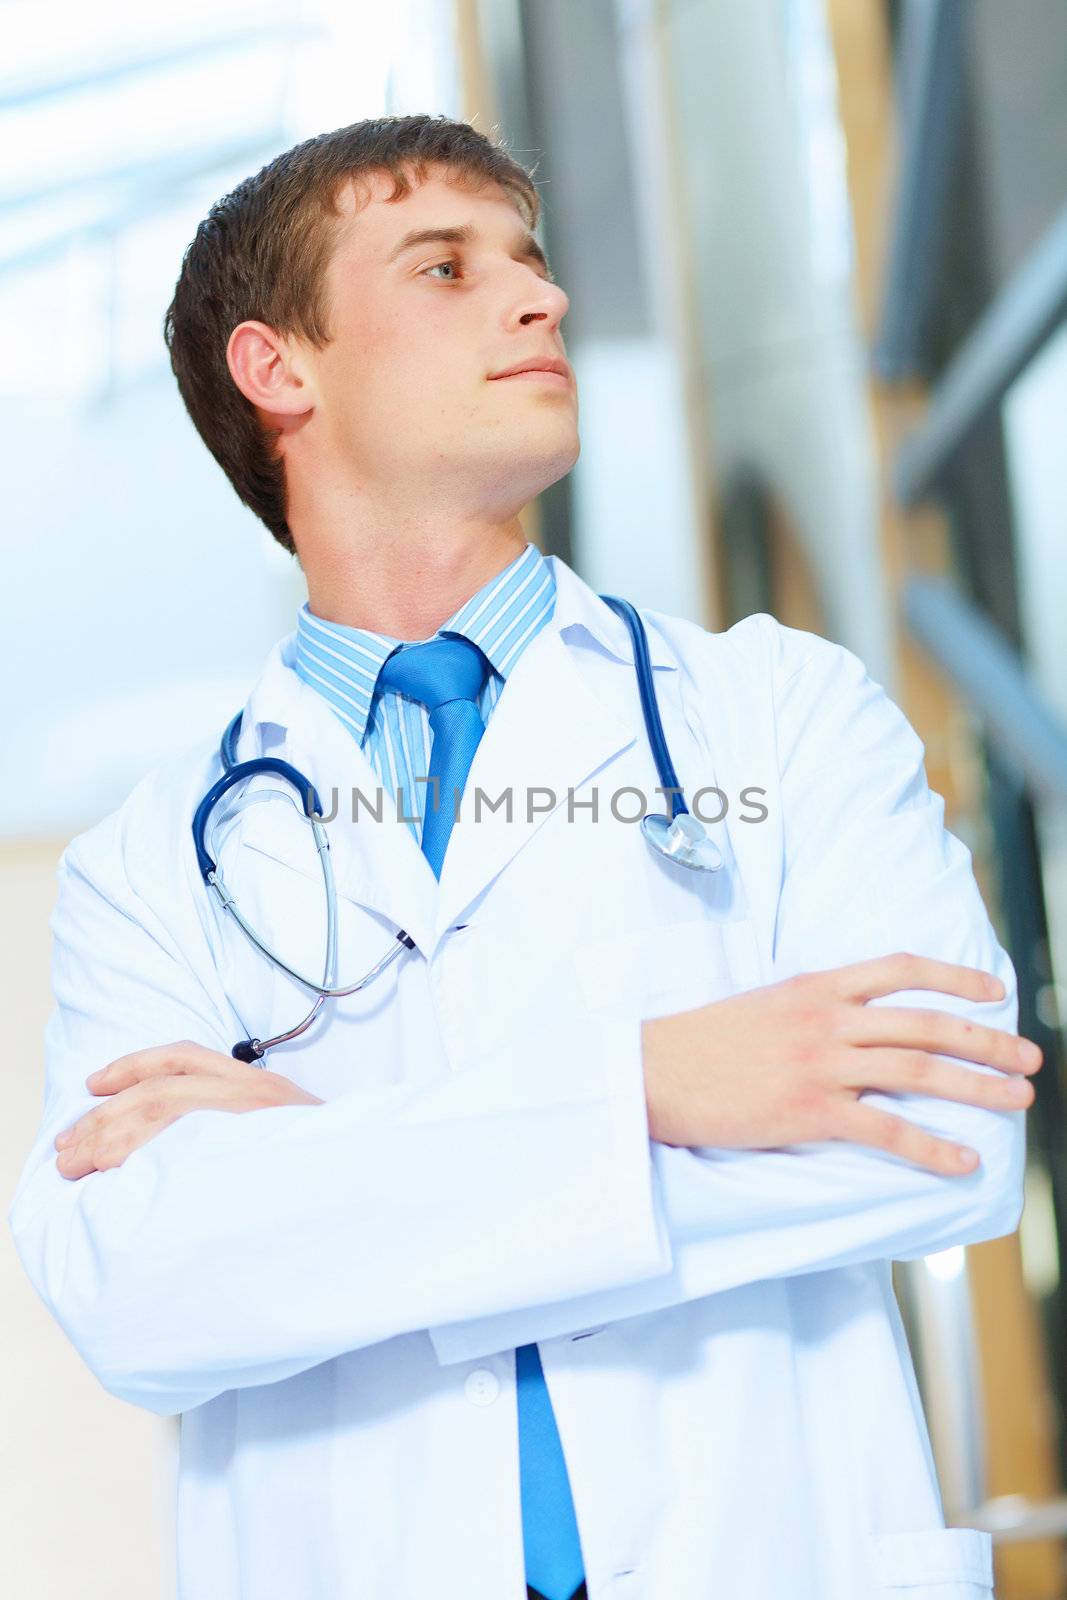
[(381, 372), (401, 368)]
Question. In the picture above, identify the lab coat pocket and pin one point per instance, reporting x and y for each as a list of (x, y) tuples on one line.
[(934, 1564), (674, 967)]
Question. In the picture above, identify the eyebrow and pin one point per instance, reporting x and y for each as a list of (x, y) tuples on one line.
[(527, 246)]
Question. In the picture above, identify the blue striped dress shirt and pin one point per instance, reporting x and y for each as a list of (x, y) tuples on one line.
[(343, 664)]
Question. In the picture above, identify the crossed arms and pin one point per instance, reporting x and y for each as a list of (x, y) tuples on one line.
[(187, 1250)]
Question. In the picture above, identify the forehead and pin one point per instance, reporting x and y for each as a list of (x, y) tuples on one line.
[(372, 224)]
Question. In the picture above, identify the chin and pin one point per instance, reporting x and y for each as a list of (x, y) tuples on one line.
[(556, 450), (519, 477), (554, 441)]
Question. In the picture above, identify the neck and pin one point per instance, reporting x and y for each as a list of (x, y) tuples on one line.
[(407, 583)]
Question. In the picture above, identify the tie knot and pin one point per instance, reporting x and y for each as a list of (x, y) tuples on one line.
[(446, 668)]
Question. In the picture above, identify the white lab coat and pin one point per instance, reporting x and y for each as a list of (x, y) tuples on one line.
[(331, 1295)]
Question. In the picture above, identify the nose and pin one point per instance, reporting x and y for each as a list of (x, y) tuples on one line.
[(542, 302)]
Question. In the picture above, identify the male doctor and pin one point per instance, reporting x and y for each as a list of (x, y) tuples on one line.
[(556, 1261)]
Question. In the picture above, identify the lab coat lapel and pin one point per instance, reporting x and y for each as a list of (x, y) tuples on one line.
[(548, 731), (376, 864)]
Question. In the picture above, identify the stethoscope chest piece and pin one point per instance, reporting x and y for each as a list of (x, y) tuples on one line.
[(683, 840)]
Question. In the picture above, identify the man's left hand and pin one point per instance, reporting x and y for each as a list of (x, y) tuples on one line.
[(150, 1089)]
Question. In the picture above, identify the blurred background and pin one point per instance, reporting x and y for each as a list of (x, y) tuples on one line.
[(816, 252)]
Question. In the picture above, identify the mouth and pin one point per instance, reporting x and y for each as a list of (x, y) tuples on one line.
[(536, 375), (538, 367)]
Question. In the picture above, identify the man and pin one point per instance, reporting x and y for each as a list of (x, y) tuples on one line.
[(559, 1255)]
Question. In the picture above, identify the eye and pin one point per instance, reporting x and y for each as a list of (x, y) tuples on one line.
[(454, 262), (451, 262)]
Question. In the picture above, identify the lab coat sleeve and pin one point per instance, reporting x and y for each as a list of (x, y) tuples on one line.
[(240, 1248), (868, 868)]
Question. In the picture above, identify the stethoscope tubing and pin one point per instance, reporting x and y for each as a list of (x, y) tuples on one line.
[(235, 772), (649, 702)]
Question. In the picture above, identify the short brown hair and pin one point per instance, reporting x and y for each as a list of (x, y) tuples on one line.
[(262, 252)]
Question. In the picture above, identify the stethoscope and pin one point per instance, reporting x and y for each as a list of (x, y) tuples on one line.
[(681, 838)]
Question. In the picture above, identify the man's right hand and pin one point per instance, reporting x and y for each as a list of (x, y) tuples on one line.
[(787, 1063)]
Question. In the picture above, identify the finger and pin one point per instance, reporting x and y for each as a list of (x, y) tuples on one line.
[(81, 1159), (155, 1102), (149, 1100), (916, 1072), (158, 1061), (122, 1103), (862, 1124), (103, 1149), (947, 1034), (134, 1116), (864, 980)]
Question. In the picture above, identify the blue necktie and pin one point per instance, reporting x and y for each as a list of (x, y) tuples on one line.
[(446, 675)]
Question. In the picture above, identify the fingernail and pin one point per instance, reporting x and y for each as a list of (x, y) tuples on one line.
[(62, 1139), (996, 988), (967, 1158)]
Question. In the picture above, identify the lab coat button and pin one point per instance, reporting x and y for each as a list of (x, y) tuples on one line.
[(482, 1387)]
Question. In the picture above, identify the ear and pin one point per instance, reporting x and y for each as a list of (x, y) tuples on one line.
[(269, 370)]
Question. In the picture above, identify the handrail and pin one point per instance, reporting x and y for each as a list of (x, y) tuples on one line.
[(142, 192), (1001, 345), (149, 60), (990, 677)]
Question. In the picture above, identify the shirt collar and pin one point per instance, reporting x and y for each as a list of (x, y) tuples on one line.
[(343, 663), (280, 700)]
